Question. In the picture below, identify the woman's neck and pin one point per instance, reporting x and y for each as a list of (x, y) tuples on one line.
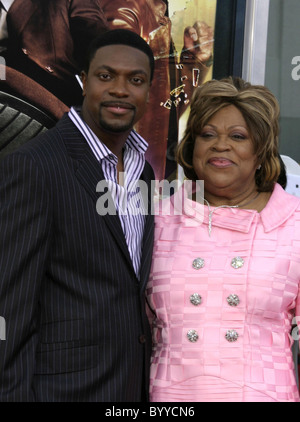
[(252, 199), (231, 200)]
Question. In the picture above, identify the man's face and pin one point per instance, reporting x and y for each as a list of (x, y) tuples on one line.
[(116, 89)]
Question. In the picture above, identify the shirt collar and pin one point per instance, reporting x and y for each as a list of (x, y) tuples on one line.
[(134, 140), (7, 4)]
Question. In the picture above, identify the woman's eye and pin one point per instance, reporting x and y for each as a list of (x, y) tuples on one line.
[(207, 134), (238, 136)]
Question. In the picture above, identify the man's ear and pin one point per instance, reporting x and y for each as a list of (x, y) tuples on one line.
[(83, 80)]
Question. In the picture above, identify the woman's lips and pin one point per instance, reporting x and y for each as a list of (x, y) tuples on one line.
[(220, 162)]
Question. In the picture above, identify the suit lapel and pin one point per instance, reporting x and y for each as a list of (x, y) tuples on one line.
[(89, 173), (146, 260)]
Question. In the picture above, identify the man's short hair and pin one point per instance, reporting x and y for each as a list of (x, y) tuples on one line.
[(119, 36)]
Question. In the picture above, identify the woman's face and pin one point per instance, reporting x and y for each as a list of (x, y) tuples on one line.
[(224, 156)]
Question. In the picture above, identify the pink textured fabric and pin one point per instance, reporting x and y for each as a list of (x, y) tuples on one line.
[(258, 366)]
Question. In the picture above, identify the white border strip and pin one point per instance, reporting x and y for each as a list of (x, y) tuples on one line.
[(255, 41)]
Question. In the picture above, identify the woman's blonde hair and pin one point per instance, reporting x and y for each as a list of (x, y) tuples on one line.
[(260, 110)]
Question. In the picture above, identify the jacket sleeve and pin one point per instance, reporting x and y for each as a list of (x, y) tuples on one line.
[(87, 21), (142, 17), (24, 226), (124, 14)]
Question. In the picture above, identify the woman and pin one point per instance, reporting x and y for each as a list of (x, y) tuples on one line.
[(223, 288)]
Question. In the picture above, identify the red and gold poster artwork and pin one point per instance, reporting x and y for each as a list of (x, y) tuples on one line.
[(42, 45)]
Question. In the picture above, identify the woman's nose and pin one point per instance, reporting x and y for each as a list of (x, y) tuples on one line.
[(221, 143)]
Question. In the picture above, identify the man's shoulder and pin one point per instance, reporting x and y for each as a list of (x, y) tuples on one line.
[(63, 128), (48, 144)]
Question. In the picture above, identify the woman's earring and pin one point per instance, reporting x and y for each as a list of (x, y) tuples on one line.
[(259, 167)]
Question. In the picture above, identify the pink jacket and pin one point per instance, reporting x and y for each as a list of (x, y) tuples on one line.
[(223, 305)]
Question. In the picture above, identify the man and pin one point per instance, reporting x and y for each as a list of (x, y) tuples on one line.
[(73, 277)]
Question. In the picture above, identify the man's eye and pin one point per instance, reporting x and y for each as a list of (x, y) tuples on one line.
[(104, 76), (137, 80)]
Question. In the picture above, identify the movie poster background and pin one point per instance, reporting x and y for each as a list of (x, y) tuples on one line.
[(39, 84)]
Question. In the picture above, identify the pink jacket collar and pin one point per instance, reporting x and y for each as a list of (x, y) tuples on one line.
[(278, 210)]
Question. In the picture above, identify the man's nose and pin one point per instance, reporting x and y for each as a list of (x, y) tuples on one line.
[(119, 87)]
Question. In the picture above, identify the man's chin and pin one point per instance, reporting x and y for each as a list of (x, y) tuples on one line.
[(116, 127)]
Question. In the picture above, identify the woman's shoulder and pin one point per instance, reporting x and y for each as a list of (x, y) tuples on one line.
[(281, 208), (291, 201)]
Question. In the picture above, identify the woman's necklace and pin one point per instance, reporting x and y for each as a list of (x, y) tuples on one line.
[(210, 211)]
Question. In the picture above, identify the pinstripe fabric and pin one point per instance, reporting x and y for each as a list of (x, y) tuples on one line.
[(73, 306), (134, 161)]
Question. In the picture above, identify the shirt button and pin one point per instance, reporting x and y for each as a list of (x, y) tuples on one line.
[(233, 300), (198, 263), (195, 299), (192, 335), (142, 338), (231, 336), (237, 262)]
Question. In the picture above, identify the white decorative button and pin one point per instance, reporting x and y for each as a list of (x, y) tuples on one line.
[(195, 299), (192, 335), (233, 300), (237, 262), (49, 68), (231, 336), (198, 263)]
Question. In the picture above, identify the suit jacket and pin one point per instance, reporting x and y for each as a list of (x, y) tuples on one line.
[(47, 41), (76, 328), (51, 33)]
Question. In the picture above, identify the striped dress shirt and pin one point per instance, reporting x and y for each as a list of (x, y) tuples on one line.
[(125, 194)]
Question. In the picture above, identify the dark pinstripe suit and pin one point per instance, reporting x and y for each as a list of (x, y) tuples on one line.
[(76, 328)]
